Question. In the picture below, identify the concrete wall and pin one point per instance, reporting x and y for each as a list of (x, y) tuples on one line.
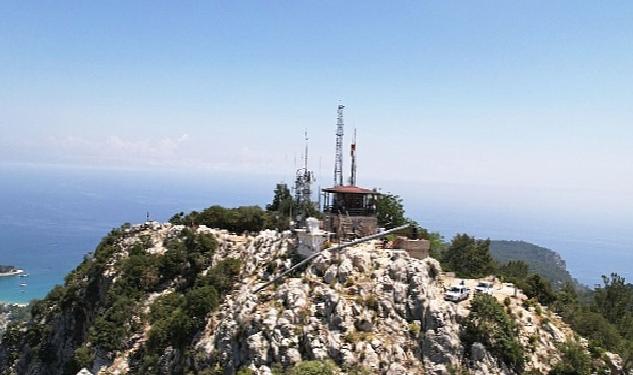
[(418, 249), (350, 226)]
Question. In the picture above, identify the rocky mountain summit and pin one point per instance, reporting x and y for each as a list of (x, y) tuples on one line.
[(369, 309)]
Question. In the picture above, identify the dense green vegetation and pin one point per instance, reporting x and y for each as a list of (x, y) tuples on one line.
[(575, 360), (283, 202), (469, 257), (390, 211), (327, 367), (285, 208), (15, 313), (105, 314), (78, 298), (489, 324), (540, 260), (277, 215), (177, 316), (237, 220), (604, 316)]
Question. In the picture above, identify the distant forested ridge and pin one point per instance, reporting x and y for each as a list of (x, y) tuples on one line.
[(540, 260)]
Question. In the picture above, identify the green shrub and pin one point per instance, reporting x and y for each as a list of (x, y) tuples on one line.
[(245, 371), (490, 325), (574, 360), (414, 329), (164, 305), (223, 275), (174, 261), (238, 220), (200, 301), (175, 330), (358, 370), (325, 367), (539, 288), (357, 336), (84, 356)]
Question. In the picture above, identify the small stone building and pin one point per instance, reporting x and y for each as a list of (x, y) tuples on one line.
[(418, 249)]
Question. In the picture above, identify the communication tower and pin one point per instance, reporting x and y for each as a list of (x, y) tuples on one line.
[(338, 164), (303, 187)]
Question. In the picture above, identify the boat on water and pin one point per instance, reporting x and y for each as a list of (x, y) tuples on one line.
[(13, 272)]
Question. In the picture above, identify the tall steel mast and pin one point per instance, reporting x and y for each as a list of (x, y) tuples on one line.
[(338, 164)]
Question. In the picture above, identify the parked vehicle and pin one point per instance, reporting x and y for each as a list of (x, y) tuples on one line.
[(484, 287), (457, 293)]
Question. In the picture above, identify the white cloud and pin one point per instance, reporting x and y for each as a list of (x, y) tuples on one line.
[(115, 149)]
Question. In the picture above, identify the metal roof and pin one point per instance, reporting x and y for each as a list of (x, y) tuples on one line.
[(349, 190)]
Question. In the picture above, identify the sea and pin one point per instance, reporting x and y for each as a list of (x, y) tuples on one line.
[(51, 217)]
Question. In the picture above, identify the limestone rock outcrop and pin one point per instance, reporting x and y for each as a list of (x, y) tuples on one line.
[(364, 307)]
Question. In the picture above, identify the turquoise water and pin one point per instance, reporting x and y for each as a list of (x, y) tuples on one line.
[(51, 217)]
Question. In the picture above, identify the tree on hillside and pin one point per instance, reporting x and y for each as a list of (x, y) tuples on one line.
[(575, 360), (615, 298), (514, 270), (537, 287), (390, 211), (490, 325), (566, 302), (282, 201), (469, 257)]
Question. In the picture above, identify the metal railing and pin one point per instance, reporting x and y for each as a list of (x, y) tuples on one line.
[(363, 211), (339, 247)]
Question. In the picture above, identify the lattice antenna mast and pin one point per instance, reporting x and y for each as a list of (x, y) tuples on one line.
[(338, 164), (303, 188), (352, 179)]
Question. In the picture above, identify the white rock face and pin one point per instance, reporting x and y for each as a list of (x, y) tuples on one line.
[(354, 307), (364, 307), (367, 307)]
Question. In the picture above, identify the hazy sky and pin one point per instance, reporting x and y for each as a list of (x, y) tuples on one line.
[(514, 95)]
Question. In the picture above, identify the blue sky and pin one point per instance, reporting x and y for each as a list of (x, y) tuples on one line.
[(523, 98)]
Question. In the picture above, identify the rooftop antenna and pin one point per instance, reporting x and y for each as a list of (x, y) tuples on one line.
[(303, 188), (352, 180), (338, 164), (305, 161)]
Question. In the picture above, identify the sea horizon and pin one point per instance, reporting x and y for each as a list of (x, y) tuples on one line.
[(52, 217)]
